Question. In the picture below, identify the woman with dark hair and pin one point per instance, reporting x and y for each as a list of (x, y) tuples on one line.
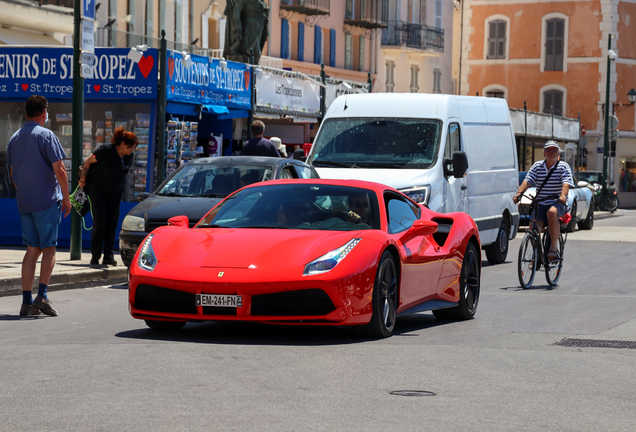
[(108, 166)]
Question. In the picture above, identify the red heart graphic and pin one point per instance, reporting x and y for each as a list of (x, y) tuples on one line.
[(202, 93), (172, 89), (25, 87), (97, 88), (247, 79), (145, 65), (171, 66)]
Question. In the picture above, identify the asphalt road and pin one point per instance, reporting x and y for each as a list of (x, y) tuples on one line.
[(94, 368)]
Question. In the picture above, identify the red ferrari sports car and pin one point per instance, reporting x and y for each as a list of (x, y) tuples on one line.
[(318, 252)]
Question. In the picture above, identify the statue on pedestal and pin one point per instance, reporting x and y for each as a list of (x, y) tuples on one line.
[(246, 27)]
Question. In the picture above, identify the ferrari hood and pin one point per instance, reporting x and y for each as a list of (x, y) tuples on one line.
[(244, 248), (162, 208)]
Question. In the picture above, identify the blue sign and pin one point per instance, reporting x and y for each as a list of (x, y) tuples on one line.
[(25, 71), (88, 9), (207, 82)]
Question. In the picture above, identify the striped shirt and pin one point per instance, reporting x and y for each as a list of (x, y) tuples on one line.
[(561, 175)]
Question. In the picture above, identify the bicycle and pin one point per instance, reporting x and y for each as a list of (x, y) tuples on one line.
[(534, 249)]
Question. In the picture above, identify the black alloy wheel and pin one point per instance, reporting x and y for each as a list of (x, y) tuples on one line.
[(385, 299), (469, 288), (498, 251)]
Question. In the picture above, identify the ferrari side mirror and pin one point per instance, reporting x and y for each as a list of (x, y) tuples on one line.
[(180, 221)]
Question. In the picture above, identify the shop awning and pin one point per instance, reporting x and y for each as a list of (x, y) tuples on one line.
[(193, 109), (214, 109)]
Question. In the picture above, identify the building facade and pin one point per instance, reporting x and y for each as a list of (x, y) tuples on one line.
[(414, 50), (553, 56)]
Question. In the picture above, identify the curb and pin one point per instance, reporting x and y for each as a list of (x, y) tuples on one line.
[(13, 285)]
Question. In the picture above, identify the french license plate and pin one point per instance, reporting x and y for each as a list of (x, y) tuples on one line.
[(218, 300)]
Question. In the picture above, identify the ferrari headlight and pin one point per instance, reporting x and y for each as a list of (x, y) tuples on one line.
[(147, 259), (419, 194), (133, 223), (328, 261)]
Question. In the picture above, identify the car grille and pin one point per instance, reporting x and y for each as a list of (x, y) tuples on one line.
[(292, 303), (152, 225), (157, 299)]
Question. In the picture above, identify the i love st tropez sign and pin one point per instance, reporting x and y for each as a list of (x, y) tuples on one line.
[(206, 82), (25, 71)]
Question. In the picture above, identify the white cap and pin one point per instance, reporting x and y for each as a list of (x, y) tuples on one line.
[(276, 141)]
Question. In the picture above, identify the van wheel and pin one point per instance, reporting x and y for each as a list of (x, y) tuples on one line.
[(498, 251)]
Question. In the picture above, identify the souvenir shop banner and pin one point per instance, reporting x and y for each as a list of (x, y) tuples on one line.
[(335, 90), (25, 71), (292, 94), (206, 82)]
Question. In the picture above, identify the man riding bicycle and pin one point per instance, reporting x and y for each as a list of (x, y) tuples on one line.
[(558, 183)]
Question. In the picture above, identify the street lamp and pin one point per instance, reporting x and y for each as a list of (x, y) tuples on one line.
[(611, 55), (631, 96)]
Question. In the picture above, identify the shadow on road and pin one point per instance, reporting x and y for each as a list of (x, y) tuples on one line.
[(242, 333)]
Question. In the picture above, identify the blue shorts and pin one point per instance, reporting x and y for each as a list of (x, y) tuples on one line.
[(40, 229), (542, 211)]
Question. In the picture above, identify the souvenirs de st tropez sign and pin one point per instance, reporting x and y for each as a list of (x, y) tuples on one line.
[(25, 71), (206, 81)]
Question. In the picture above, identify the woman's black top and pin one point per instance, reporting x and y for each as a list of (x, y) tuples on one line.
[(109, 174)]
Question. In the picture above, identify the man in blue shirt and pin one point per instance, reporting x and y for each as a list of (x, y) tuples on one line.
[(34, 155), (259, 146), (558, 184)]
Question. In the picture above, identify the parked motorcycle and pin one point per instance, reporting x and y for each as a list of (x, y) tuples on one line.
[(606, 199)]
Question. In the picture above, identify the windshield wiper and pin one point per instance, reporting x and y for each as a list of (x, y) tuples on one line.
[(215, 195), (263, 226), (212, 226), (172, 194), (331, 163)]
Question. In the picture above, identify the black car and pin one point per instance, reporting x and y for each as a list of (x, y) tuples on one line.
[(196, 187)]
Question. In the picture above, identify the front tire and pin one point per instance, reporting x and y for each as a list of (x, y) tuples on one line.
[(612, 203), (527, 264), (469, 288), (384, 301), (498, 251), (165, 325)]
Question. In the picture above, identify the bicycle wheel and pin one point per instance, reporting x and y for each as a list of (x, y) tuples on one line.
[(612, 203), (553, 266), (527, 264)]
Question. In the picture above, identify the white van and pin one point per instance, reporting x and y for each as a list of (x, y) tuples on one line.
[(419, 144)]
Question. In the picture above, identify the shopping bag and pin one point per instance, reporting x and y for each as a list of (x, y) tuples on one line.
[(81, 203)]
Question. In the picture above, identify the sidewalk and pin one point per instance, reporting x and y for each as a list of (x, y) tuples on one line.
[(66, 270)]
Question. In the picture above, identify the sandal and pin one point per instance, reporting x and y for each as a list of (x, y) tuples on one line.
[(553, 254)]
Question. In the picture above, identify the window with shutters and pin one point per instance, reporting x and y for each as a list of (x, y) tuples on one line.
[(285, 46), (415, 78), (390, 76), (554, 42), (495, 94), (553, 99), (301, 42), (437, 81), (497, 39), (348, 51), (317, 45), (332, 48), (438, 14)]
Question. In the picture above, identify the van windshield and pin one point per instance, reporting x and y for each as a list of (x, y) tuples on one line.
[(377, 143)]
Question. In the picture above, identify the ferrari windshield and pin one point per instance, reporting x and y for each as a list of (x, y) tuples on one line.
[(376, 143), (213, 180), (297, 206)]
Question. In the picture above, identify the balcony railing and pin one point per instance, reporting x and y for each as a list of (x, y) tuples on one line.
[(369, 14), (107, 37), (411, 35), (307, 7)]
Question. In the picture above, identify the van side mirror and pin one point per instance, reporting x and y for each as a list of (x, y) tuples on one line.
[(459, 164), (180, 221)]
